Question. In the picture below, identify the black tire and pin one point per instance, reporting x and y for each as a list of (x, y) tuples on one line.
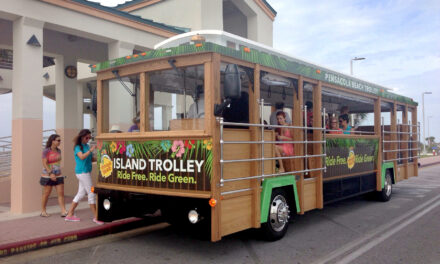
[(278, 218), (387, 191)]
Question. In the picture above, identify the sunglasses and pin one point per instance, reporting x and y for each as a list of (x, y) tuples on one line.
[(87, 138), (59, 140)]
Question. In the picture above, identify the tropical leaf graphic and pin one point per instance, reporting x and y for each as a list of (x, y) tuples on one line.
[(161, 149)]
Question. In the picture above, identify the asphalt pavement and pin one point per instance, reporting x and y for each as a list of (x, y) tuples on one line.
[(30, 232)]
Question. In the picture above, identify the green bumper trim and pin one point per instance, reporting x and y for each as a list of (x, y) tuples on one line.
[(268, 186), (385, 166)]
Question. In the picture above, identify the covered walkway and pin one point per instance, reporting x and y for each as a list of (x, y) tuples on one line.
[(74, 34)]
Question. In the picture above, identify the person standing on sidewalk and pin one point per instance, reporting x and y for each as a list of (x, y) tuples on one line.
[(83, 167), (51, 175)]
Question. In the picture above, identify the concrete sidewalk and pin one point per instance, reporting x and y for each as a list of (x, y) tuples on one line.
[(26, 232), (427, 161)]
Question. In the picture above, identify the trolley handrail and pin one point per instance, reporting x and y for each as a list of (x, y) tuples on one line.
[(262, 142), (407, 147)]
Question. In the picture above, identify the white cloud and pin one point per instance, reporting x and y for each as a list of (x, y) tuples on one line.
[(400, 40)]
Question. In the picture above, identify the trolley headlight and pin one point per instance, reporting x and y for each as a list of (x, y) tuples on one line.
[(193, 216), (107, 204)]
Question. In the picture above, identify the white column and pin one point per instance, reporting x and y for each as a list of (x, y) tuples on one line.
[(67, 95), (68, 114), (210, 16), (27, 116), (80, 103), (121, 110)]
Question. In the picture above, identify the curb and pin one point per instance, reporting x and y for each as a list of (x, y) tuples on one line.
[(14, 248), (429, 164)]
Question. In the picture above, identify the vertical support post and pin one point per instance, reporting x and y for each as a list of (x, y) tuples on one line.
[(305, 141), (99, 114), (149, 104), (324, 139), (384, 155), (415, 140), (212, 90), (405, 138), (123, 106), (27, 115), (393, 130), (317, 147), (69, 106), (297, 120), (255, 117), (262, 139), (221, 150), (377, 132), (298, 135), (143, 103)]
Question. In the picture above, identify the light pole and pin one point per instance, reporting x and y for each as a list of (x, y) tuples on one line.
[(351, 63), (429, 141), (423, 113)]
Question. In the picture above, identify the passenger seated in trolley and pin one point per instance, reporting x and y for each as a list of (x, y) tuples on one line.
[(283, 134), (279, 106), (115, 129), (343, 124), (136, 124), (334, 128)]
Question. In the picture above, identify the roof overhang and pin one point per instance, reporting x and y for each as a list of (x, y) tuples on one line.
[(102, 14), (138, 4)]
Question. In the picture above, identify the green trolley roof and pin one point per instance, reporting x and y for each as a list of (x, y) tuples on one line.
[(291, 65)]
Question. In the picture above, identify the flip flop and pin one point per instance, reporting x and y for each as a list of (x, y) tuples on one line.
[(44, 214), (64, 215)]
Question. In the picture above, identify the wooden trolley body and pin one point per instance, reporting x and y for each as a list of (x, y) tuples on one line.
[(243, 170)]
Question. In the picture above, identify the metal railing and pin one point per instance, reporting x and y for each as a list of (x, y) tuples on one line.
[(6, 151), (262, 143), (396, 145)]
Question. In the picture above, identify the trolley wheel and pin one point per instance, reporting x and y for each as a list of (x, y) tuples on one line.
[(278, 219), (385, 194)]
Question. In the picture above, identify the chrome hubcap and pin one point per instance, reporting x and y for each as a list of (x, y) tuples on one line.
[(279, 213), (388, 185)]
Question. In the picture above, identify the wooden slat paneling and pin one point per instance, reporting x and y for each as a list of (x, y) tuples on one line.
[(236, 214), (309, 194)]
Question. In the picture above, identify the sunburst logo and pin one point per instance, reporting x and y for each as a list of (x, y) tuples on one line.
[(106, 166), (351, 160)]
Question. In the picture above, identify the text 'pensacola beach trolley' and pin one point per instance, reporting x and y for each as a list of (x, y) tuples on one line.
[(206, 151)]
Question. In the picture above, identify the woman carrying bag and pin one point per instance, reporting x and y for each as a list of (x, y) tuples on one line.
[(51, 175)]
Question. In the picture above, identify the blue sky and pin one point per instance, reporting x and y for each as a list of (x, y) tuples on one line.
[(400, 40)]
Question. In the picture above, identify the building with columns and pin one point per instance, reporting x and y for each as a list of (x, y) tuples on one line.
[(44, 42)]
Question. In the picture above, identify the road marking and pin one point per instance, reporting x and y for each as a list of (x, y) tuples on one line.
[(354, 255), (382, 232)]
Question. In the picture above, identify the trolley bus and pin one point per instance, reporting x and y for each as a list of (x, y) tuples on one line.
[(204, 147)]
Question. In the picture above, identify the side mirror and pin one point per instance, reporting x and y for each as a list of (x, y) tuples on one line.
[(232, 85)]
